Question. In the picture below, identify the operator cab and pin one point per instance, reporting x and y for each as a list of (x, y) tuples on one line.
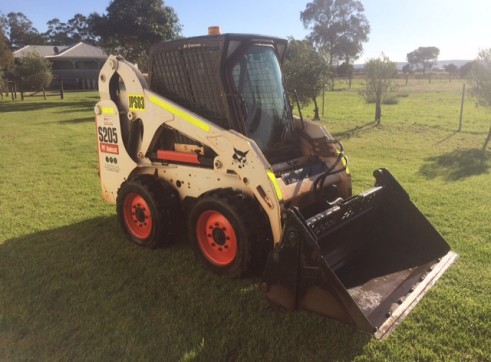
[(234, 81), (266, 115)]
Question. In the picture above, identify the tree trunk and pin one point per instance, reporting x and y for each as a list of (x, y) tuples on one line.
[(488, 138), (316, 109), (331, 71), (378, 108), (44, 93), (62, 91), (407, 78), (330, 83)]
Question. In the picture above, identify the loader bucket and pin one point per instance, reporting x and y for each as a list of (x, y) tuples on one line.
[(366, 261)]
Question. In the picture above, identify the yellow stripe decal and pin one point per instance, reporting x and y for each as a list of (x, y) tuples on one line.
[(345, 164), (108, 110), (344, 161), (181, 114), (277, 189)]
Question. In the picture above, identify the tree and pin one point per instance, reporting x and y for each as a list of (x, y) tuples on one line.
[(6, 60), (3, 23), (130, 27), (76, 30), (407, 70), (80, 30), (57, 33), (380, 73), (424, 56), (480, 76), (338, 28), (465, 70), (305, 71), (345, 70), (6, 57), (33, 72), (20, 31), (452, 71)]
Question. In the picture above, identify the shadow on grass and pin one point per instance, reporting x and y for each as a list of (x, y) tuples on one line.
[(451, 135), (82, 292), (76, 121), (65, 106), (455, 165), (354, 131)]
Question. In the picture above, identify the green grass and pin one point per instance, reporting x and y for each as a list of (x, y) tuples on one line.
[(73, 288)]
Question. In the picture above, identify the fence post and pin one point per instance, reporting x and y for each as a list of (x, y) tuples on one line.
[(461, 108)]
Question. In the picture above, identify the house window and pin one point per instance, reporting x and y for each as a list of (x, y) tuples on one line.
[(87, 64), (62, 65)]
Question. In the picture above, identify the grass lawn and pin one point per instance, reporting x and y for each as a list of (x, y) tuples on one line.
[(72, 288)]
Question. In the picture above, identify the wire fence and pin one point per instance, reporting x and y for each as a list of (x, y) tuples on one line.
[(441, 104)]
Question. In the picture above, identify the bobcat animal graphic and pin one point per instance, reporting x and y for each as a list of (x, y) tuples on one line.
[(240, 157)]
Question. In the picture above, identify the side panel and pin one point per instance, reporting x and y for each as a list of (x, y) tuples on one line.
[(114, 162), (239, 164)]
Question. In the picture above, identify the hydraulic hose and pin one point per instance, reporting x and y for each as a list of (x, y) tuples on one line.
[(319, 182)]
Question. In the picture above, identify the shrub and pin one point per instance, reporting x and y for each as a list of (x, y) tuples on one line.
[(390, 100), (33, 72)]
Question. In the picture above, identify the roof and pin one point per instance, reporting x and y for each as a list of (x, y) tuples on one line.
[(80, 50)]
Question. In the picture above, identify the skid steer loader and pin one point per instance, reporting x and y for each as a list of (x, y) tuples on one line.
[(210, 141)]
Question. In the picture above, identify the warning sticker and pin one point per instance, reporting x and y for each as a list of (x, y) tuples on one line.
[(109, 148)]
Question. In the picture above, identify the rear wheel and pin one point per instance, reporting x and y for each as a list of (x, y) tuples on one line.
[(224, 230), (146, 209)]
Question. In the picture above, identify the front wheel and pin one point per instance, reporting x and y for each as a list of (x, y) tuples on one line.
[(145, 208), (223, 230)]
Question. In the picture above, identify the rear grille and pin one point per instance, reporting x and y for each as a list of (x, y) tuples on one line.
[(188, 77)]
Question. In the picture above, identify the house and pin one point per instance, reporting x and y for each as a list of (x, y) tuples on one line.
[(77, 65)]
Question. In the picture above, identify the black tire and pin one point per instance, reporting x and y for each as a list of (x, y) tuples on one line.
[(225, 228), (147, 209)]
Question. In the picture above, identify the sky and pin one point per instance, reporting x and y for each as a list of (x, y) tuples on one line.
[(459, 28)]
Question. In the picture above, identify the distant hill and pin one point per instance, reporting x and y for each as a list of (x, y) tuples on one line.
[(438, 64), (458, 63)]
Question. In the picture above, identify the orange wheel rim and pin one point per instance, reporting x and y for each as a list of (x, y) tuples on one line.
[(216, 238), (137, 216)]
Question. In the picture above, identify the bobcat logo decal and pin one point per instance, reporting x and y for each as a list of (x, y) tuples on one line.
[(240, 158)]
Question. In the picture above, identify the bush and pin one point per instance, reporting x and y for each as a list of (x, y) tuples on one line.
[(33, 72), (391, 99)]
